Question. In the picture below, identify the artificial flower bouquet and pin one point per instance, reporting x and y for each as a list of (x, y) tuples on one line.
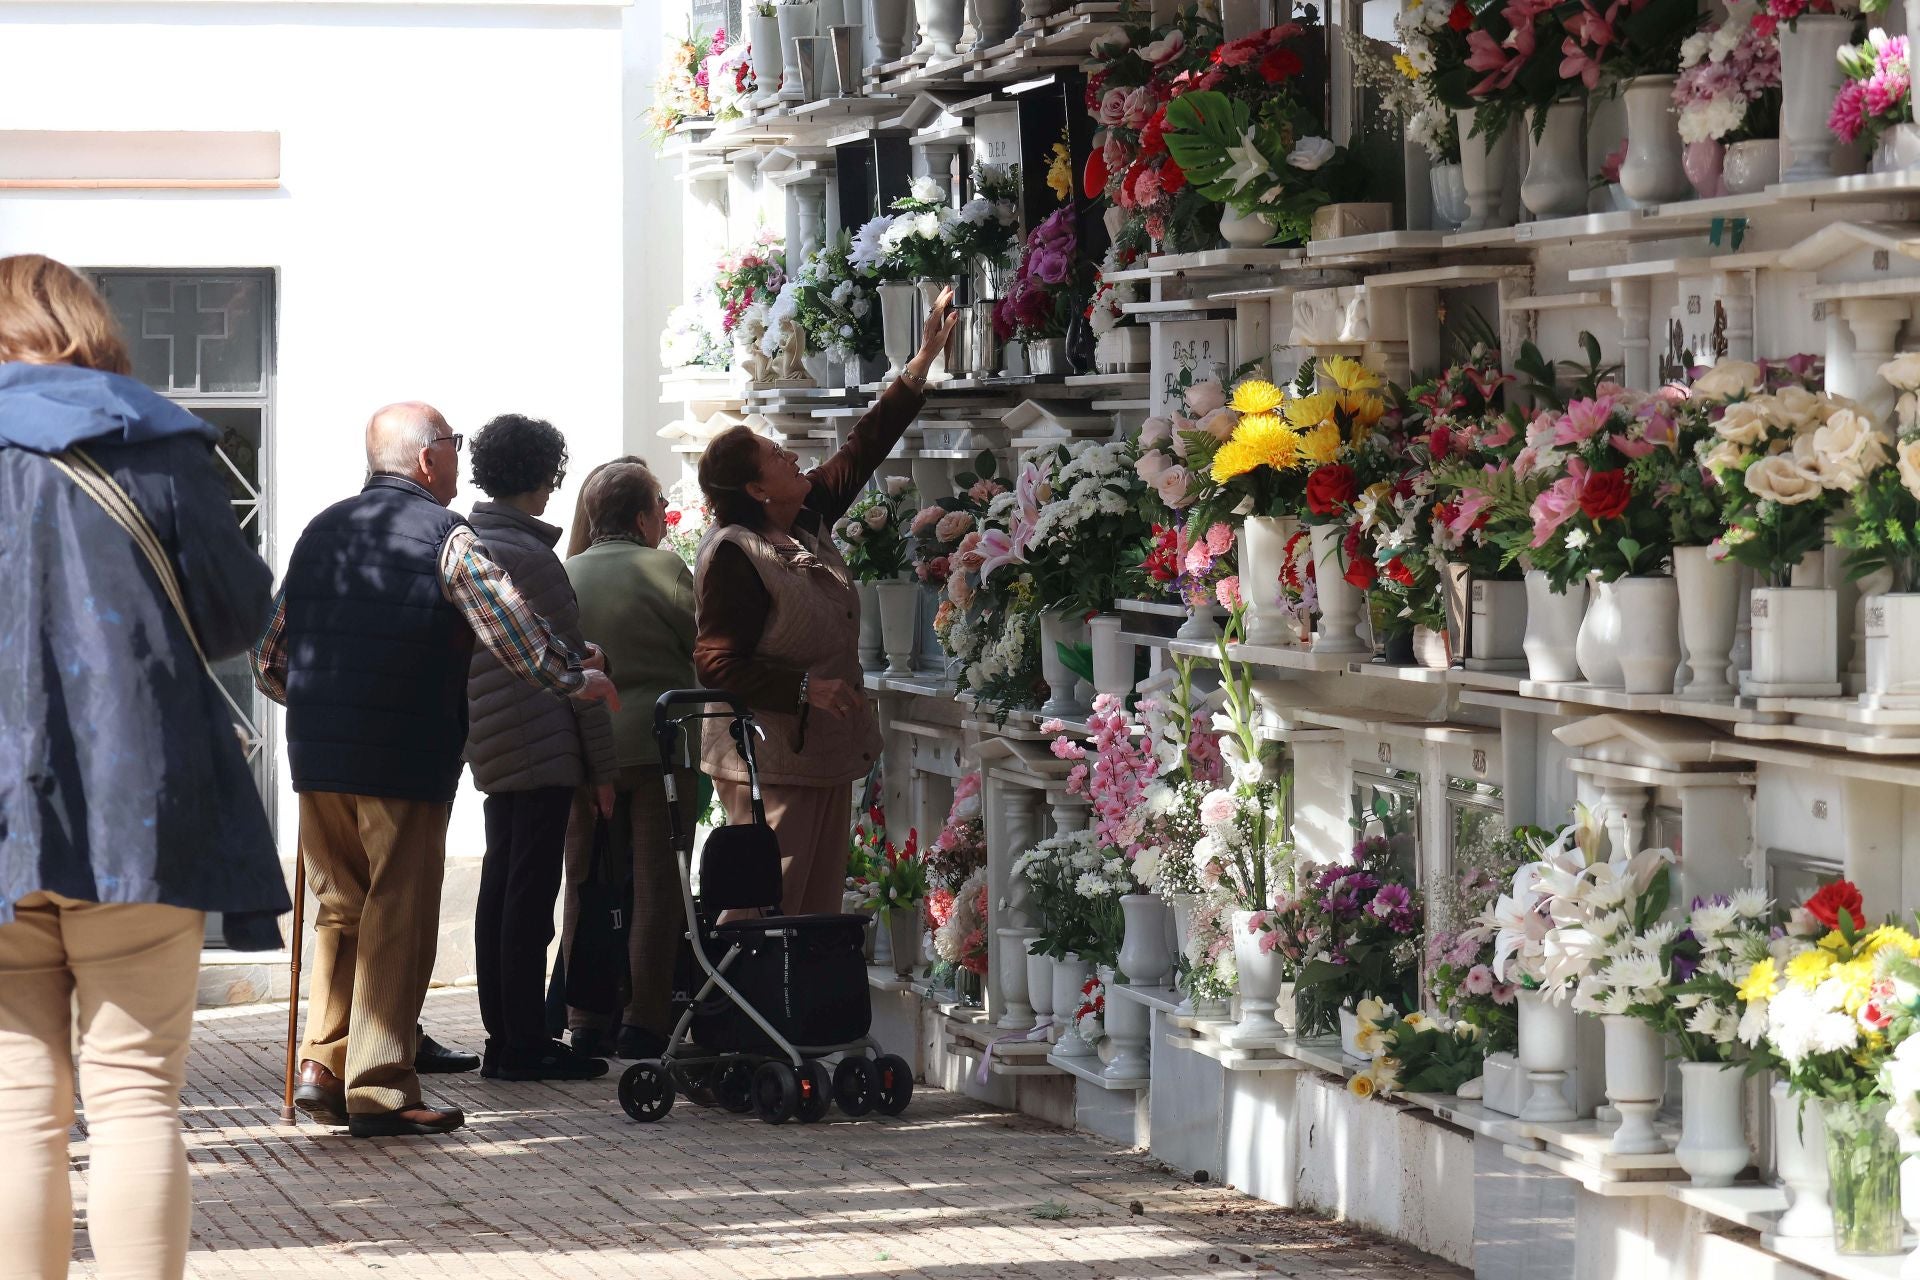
[(835, 305), (866, 856), (899, 882), (1369, 934), (1414, 1053), (1085, 511), (1460, 974), (1878, 92), (1136, 70), (1199, 570), (1337, 417), (985, 229), (693, 336), (1600, 514), (1241, 455), (1048, 286), (687, 520), (1206, 968), (1075, 887), (1526, 952), (1090, 1015), (1243, 849), (960, 929), (990, 620), (872, 536), (939, 528), (1608, 45), (920, 241), (745, 283), (1878, 527), (681, 91), (1115, 781), (1729, 85), (961, 847), (1503, 61), (1404, 80), (1191, 767)]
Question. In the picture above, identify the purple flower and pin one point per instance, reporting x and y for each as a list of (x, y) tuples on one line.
[(1342, 903), (1392, 900), (1048, 265)]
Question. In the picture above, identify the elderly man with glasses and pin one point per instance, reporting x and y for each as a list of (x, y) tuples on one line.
[(369, 648)]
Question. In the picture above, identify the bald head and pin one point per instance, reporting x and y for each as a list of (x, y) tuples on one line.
[(411, 439)]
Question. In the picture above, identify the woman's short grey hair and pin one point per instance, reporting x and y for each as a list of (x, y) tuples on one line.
[(397, 434)]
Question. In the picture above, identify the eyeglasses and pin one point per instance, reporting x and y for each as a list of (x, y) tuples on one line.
[(458, 440), (559, 478)]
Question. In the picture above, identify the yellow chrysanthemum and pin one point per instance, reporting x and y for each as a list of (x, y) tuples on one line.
[(1890, 937), (1759, 982), (1321, 444), (1261, 440), (1310, 411), (1348, 374), (1255, 395), (1807, 969), (1404, 65), (1363, 408)]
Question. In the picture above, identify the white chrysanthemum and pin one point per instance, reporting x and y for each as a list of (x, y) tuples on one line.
[(1750, 904), (867, 250)]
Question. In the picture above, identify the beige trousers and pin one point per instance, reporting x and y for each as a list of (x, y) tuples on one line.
[(814, 826), (375, 867), (124, 977)]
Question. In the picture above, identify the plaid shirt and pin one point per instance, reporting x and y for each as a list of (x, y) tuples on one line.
[(485, 596)]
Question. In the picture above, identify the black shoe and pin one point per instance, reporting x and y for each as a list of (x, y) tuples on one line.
[(638, 1042), (591, 1042), (555, 1062), (434, 1058)]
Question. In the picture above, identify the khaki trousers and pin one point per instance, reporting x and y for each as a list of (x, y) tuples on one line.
[(375, 866), (658, 919), (125, 977), (814, 826)]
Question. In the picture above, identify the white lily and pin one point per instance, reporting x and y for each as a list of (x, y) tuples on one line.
[(1248, 163)]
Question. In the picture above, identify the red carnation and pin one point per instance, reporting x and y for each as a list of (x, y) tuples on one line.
[(1153, 139), (1461, 17), (1606, 495), (673, 519), (1282, 64), (1841, 895), (1172, 178), (1398, 571), (1330, 489), (1439, 442), (1095, 179)]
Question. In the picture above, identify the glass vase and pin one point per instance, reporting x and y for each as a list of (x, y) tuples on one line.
[(1863, 1169)]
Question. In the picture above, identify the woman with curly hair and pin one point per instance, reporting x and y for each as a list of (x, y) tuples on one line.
[(529, 750)]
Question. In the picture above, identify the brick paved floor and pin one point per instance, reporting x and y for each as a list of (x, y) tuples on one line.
[(552, 1180)]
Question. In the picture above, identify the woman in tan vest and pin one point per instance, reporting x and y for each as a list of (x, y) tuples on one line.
[(779, 629)]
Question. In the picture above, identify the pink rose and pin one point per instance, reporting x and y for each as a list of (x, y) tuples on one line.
[(960, 590), (1139, 107), (1220, 424), (967, 555), (1166, 48), (952, 525), (1155, 432), (928, 517), (1113, 106), (1150, 465), (986, 490), (1172, 485), (1204, 397)]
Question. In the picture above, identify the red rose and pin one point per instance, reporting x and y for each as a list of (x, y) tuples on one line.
[(1461, 17), (1361, 573), (673, 519), (1153, 139), (1172, 178), (1840, 895), (1398, 571), (1282, 64), (1606, 495), (1330, 489), (1095, 179)]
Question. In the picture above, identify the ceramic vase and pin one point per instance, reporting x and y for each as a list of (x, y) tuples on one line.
[(1898, 149), (1483, 173), (1263, 554), (1261, 973), (1449, 186), (1183, 905), (1144, 958), (1553, 629), (1556, 181), (1709, 611), (1497, 635), (1070, 974), (898, 311), (1057, 629), (1032, 9), (899, 602), (1039, 979), (1128, 1023), (1336, 631), (893, 25), (1704, 162), (1893, 660), (1800, 1160), (994, 22), (872, 643), (763, 38), (1244, 230), (1597, 648), (1750, 166), (1863, 1180), (1713, 1138), (1636, 1083), (1810, 79), (1112, 656), (1547, 1030), (1046, 356), (1431, 649), (1127, 349), (1795, 643), (1648, 652), (1350, 1036), (940, 25), (1653, 172), (903, 937), (795, 20), (1009, 973)]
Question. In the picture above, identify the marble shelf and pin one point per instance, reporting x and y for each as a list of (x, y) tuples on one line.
[(1752, 1205), (1087, 1067)]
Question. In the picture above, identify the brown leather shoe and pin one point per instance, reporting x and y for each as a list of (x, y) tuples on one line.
[(407, 1122), (320, 1095)]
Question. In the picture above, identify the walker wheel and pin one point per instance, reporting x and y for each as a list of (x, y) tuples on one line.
[(856, 1085), (646, 1093), (896, 1084), (776, 1092), (816, 1092), (733, 1087)]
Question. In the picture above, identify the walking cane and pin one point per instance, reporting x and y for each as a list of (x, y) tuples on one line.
[(293, 986)]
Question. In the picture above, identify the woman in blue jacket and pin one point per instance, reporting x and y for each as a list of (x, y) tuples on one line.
[(127, 809)]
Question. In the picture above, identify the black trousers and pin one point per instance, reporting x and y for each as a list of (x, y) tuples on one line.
[(513, 920)]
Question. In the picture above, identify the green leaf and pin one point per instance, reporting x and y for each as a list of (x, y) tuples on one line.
[(986, 464), (1078, 658)]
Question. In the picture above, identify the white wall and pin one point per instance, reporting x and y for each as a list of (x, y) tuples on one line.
[(449, 225), (654, 210)]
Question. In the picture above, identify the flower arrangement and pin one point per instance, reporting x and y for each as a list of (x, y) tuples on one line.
[(1090, 1018), (1084, 512), (1241, 453), (1405, 82), (920, 240), (1207, 969), (1460, 974), (1136, 69), (989, 621), (835, 305), (1075, 887), (872, 536), (960, 938), (680, 92), (1241, 851), (1878, 526), (1124, 250), (1115, 783), (961, 847), (1502, 62), (939, 528), (693, 337), (985, 228), (866, 856), (1878, 92), (1048, 285), (1366, 922), (887, 876), (687, 520), (1729, 85), (1413, 1053), (746, 282), (1199, 569), (1522, 918), (1619, 41)]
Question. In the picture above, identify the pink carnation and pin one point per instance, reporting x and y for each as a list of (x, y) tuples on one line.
[(1848, 117), (1220, 539), (1228, 592)]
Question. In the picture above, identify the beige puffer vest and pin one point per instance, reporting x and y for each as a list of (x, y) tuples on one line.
[(812, 626)]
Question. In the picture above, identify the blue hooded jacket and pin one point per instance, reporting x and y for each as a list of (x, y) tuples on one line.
[(121, 777)]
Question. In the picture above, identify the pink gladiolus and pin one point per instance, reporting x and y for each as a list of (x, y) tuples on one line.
[(1583, 418), (1498, 437), (1558, 504), (1467, 513), (1849, 114)]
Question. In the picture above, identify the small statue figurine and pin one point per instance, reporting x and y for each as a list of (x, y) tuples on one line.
[(787, 367)]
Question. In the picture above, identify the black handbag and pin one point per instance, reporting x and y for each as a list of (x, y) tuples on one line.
[(596, 968)]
